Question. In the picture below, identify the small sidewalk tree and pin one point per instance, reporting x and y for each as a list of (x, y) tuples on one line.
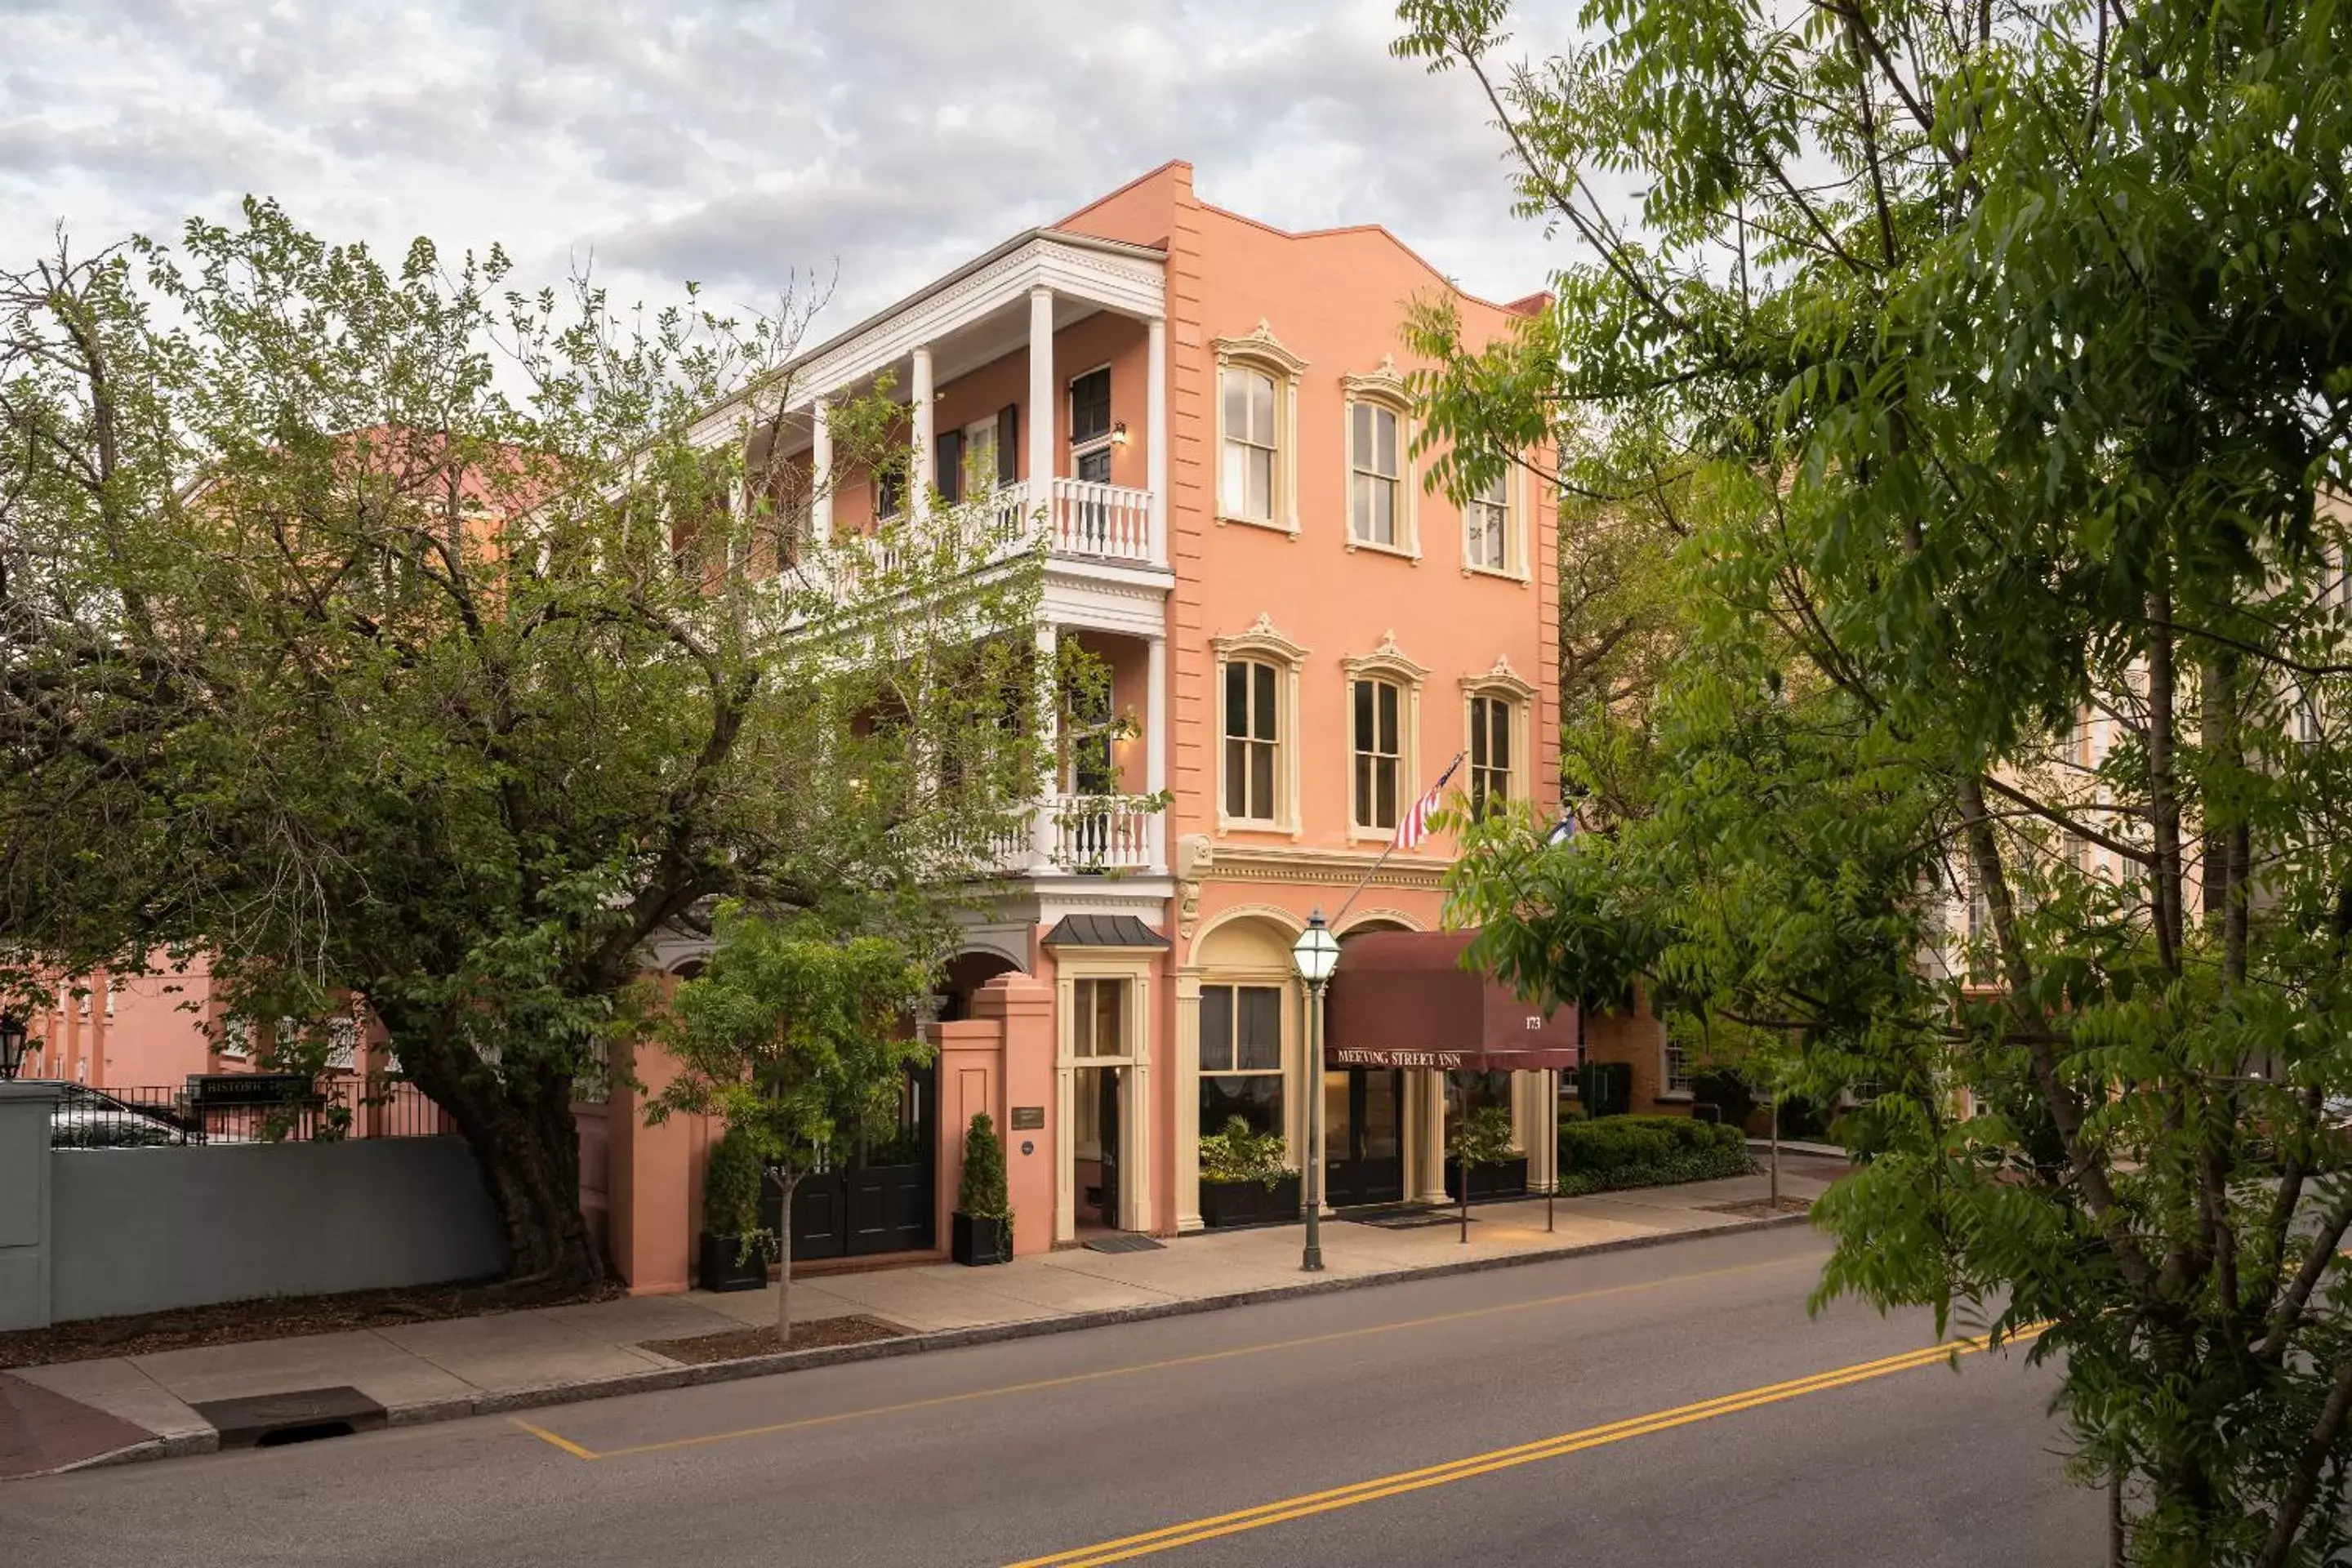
[(792, 1035)]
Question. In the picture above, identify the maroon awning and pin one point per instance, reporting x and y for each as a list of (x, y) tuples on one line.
[(1402, 999)]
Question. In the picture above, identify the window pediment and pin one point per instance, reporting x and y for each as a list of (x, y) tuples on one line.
[(1380, 385), (1261, 639), (1502, 678), (1261, 347), (1385, 660)]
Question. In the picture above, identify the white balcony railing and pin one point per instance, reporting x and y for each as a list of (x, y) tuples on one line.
[(1084, 833), (1109, 521), (1080, 519), (1101, 833)]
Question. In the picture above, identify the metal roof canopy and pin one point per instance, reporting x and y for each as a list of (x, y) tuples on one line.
[(1104, 930), (1402, 999)]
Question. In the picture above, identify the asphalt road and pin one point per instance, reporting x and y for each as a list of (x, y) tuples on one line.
[(1660, 1406)]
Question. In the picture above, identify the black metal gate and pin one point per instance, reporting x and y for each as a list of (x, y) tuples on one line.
[(881, 1200)]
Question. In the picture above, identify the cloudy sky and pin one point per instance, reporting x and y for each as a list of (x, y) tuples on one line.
[(733, 140)]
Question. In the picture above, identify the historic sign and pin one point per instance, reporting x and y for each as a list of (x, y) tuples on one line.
[(1372, 1056), (1028, 1118)]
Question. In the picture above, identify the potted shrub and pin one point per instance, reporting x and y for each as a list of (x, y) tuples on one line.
[(1476, 1144), (734, 1246), (1244, 1178), (983, 1221)]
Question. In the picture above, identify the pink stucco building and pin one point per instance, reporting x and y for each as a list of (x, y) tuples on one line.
[(1213, 415)]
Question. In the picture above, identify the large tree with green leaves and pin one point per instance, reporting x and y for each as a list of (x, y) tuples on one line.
[(1984, 373), (390, 630)]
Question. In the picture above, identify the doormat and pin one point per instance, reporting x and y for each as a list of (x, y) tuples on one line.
[(1410, 1219), (1125, 1241)]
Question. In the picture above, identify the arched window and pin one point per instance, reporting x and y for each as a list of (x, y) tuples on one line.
[(1258, 723), (1384, 504), (1257, 430), (1383, 729)]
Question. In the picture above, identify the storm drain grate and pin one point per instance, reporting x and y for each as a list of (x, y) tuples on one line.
[(1410, 1219), (1127, 1241), (299, 1416)]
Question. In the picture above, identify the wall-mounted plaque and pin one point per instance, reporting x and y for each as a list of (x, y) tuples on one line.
[(1028, 1118)]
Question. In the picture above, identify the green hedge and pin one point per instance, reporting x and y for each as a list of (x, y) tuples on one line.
[(1617, 1152), (1614, 1143)]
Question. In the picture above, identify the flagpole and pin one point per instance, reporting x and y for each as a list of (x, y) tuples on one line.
[(1386, 850)]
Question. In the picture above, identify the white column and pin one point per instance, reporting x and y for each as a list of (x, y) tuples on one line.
[(1049, 734), (820, 471), (918, 474), (1430, 1177), (1155, 742), (1188, 1102), (1155, 434), (1043, 404)]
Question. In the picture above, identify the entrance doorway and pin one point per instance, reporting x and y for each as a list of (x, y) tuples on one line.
[(1363, 1136), (1097, 1093)]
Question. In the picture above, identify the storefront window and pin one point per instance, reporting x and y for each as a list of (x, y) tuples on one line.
[(1469, 1092), (1240, 1057)]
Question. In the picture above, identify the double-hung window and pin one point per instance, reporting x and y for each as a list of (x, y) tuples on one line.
[(1374, 465), (1240, 1057), (1491, 724), (1246, 482), (1376, 708), (1485, 520), (1253, 739)]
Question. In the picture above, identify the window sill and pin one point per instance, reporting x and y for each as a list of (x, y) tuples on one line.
[(1251, 825), (1370, 835), (1499, 573), (1412, 554), (1269, 524), (1674, 1097)]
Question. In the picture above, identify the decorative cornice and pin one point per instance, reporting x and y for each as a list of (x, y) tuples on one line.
[(1260, 344), (1322, 868), (1261, 637), (1385, 660), (1502, 678)]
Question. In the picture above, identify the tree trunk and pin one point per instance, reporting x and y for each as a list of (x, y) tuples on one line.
[(784, 1266), (521, 1130)]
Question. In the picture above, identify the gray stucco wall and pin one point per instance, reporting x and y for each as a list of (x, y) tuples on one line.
[(145, 1230)]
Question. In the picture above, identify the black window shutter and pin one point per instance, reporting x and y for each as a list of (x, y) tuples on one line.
[(1008, 443), (949, 478), (1090, 406)]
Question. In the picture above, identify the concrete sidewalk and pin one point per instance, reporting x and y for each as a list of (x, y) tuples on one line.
[(141, 1406)]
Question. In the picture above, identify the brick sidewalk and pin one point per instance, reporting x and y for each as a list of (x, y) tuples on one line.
[(74, 1413)]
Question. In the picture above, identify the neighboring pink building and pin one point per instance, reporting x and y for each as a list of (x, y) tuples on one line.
[(1215, 415)]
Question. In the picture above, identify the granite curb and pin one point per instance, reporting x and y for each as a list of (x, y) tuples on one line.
[(507, 1402)]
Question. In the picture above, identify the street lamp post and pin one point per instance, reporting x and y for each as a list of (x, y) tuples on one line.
[(12, 1045), (1316, 954)]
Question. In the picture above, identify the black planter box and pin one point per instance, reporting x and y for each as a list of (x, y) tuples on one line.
[(977, 1239), (726, 1265), (1505, 1179), (1226, 1203)]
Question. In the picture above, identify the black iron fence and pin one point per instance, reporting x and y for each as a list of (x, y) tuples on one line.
[(244, 1107)]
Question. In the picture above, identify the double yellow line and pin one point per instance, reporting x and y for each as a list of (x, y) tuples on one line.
[(1566, 1443)]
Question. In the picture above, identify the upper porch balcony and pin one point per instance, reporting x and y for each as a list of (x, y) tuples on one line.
[(1033, 382), (1081, 521)]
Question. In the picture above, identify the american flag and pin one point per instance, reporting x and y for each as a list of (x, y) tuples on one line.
[(1414, 827)]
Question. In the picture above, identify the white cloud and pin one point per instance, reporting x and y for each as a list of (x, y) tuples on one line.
[(736, 141)]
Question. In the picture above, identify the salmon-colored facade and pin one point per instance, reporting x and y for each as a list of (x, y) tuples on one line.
[(1214, 417)]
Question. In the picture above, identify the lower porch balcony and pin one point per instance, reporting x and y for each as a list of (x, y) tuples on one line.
[(1081, 835)]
